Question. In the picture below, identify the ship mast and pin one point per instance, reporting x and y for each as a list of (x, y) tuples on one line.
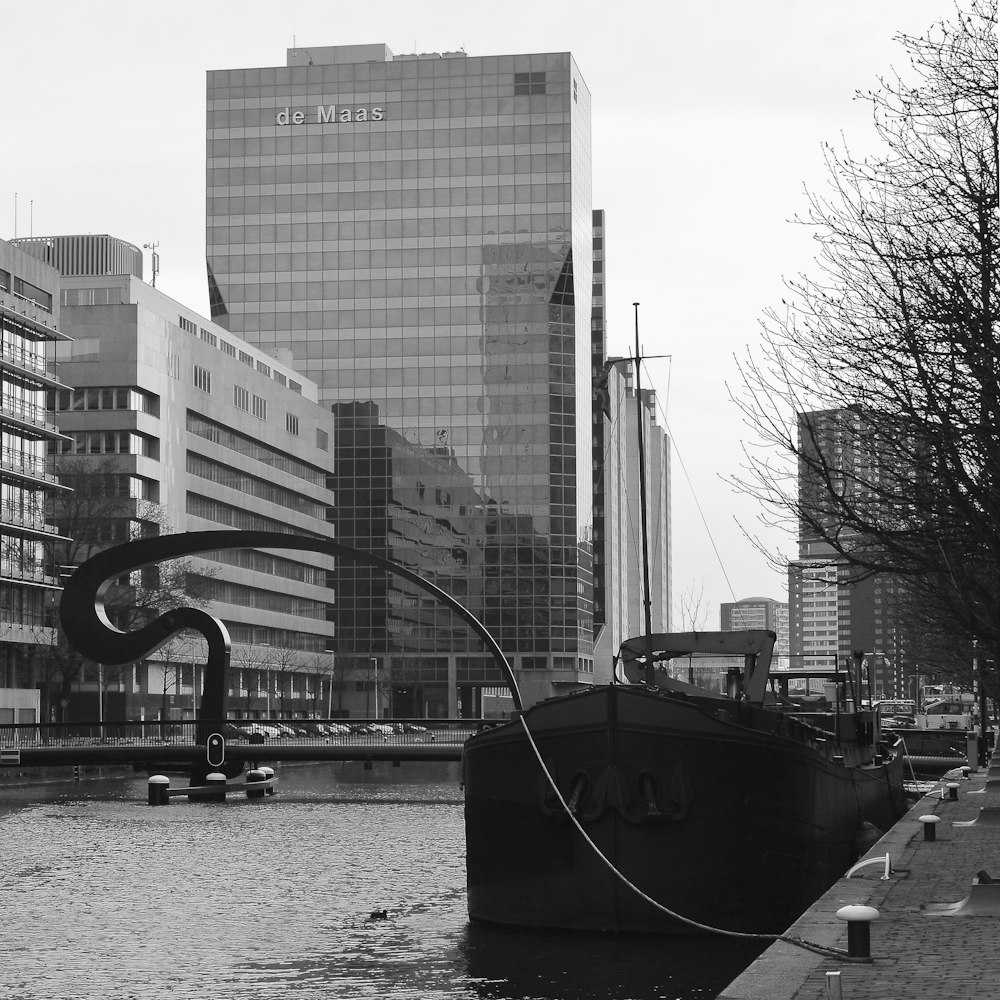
[(646, 600)]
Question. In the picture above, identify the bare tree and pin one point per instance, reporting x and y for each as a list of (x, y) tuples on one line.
[(876, 400), (284, 665), (692, 612), (326, 669)]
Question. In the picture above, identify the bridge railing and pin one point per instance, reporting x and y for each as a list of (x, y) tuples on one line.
[(303, 732)]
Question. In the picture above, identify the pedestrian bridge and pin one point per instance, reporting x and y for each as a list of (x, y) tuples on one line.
[(160, 745)]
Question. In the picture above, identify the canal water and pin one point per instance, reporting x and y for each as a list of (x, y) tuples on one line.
[(103, 896)]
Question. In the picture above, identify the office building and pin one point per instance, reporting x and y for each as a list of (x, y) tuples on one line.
[(29, 322), (759, 613), (835, 614), (417, 231), (169, 424)]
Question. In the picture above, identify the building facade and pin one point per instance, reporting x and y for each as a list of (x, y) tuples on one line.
[(417, 232), (836, 618), (759, 613), (170, 423), (29, 322)]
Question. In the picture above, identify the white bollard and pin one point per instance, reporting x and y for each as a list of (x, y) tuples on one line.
[(217, 782), (930, 822), (255, 776), (269, 776), (157, 789), (859, 920)]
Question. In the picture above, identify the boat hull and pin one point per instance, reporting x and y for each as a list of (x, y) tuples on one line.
[(723, 824)]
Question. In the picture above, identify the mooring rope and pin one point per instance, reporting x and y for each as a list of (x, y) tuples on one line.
[(792, 939)]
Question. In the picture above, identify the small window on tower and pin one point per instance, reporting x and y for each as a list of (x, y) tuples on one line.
[(529, 83)]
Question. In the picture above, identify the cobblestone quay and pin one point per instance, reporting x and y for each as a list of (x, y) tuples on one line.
[(923, 945)]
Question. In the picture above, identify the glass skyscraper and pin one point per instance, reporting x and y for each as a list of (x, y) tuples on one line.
[(417, 232)]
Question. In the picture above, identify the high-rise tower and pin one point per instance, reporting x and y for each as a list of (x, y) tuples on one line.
[(417, 231)]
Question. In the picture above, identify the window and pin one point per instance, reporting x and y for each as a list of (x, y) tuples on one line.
[(32, 293), (241, 397), (202, 379), (227, 348), (247, 359), (186, 324), (264, 369), (529, 83), (259, 407), (209, 337), (292, 424)]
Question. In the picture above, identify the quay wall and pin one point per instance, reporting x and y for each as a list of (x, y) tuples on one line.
[(915, 952)]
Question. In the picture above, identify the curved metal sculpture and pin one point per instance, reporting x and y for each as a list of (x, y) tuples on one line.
[(87, 627)]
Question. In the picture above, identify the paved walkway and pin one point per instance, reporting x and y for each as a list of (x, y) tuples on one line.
[(915, 955)]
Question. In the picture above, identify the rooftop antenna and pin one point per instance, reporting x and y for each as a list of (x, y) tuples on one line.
[(156, 260)]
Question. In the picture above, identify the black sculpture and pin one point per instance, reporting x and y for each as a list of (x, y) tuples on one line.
[(88, 629)]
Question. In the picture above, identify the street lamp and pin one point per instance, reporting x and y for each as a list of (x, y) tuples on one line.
[(375, 668)]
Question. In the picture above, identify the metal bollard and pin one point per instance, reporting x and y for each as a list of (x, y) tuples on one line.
[(966, 771), (157, 790), (254, 776), (268, 773), (217, 783), (859, 920), (930, 822), (952, 787), (833, 991)]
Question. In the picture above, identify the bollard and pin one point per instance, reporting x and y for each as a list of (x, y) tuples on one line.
[(930, 822), (833, 990), (859, 920), (157, 790), (217, 783), (268, 773), (952, 787), (254, 776), (966, 771)]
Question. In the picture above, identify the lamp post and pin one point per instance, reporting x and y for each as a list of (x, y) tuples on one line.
[(375, 668)]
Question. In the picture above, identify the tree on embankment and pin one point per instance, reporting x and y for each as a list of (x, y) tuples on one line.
[(875, 400)]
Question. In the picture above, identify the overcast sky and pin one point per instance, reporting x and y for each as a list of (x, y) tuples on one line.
[(708, 120)]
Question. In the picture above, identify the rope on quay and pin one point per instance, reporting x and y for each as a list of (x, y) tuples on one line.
[(793, 939)]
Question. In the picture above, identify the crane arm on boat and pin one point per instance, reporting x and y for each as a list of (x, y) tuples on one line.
[(755, 645)]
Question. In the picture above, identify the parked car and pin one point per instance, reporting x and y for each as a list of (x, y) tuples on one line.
[(336, 728), (268, 732), (312, 730)]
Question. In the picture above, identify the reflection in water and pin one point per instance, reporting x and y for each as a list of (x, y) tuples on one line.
[(505, 963), (104, 896)]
